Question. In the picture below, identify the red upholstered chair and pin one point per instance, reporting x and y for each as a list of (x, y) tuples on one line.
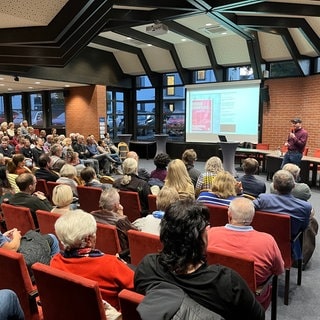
[(18, 217), (244, 265), (131, 204), (42, 186), (50, 186), (47, 220), (107, 239), (142, 243), (218, 215), (152, 202), (65, 295), (14, 275), (89, 198), (279, 226), (263, 146), (129, 300)]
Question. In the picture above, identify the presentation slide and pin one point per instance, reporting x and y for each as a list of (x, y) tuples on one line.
[(229, 108)]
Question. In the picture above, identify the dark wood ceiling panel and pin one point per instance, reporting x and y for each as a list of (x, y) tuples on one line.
[(80, 21)]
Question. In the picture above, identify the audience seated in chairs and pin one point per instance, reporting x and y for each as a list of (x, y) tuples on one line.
[(68, 175), (224, 189), (178, 178), (239, 236), (27, 197), (111, 212), (62, 198), (182, 264), (151, 223), (56, 157), (189, 157), (205, 180), (77, 232), (301, 190), (44, 171), (250, 184), (132, 182), (157, 176), (142, 172), (285, 202), (88, 175)]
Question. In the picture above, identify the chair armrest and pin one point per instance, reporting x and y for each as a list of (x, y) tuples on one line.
[(33, 294), (260, 289)]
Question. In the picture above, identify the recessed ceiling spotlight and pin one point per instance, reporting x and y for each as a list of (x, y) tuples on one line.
[(30, 87), (37, 82), (149, 45), (184, 39), (128, 38), (2, 84), (9, 89), (208, 24), (67, 85), (1, 79)]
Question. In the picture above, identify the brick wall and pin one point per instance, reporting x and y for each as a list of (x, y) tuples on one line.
[(289, 98), (84, 106)]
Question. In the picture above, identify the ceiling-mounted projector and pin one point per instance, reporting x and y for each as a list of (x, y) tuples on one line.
[(157, 29)]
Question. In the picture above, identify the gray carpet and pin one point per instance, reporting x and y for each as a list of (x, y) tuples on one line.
[(303, 300)]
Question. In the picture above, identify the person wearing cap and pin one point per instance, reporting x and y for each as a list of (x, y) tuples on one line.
[(297, 140)]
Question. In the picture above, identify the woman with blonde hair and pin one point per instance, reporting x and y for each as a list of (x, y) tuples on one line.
[(205, 181), (132, 182), (62, 197), (224, 189), (178, 178)]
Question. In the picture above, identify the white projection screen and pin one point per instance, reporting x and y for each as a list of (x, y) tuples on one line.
[(228, 108)]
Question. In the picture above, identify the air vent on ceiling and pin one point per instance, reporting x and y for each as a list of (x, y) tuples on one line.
[(214, 30)]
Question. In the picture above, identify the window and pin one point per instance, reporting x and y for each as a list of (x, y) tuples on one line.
[(2, 113), (115, 112), (36, 108), (58, 115), (16, 107)]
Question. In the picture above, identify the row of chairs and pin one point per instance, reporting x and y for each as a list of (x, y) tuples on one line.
[(278, 225), (89, 198), (56, 291)]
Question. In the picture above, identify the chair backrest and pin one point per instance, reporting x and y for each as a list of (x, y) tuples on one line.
[(46, 221), (42, 186), (89, 198), (131, 204), (129, 300), (65, 295), (14, 275), (279, 226), (18, 217), (239, 263), (123, 150), (50, 186), (218, 215), (263, 146), (141, 244), (107, 239), (152, 202), (316, 153)]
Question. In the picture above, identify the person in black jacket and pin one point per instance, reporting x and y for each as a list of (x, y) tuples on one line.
[(182, 262), (44, 171)]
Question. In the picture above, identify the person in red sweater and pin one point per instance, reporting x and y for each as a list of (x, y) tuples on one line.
[(77, 232), (239, 236)]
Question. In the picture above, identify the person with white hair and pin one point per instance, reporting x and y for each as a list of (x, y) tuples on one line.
[(132, 182), (77, 232)]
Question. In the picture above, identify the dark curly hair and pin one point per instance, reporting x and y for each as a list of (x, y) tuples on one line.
[(161, 160), (181, 234)]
